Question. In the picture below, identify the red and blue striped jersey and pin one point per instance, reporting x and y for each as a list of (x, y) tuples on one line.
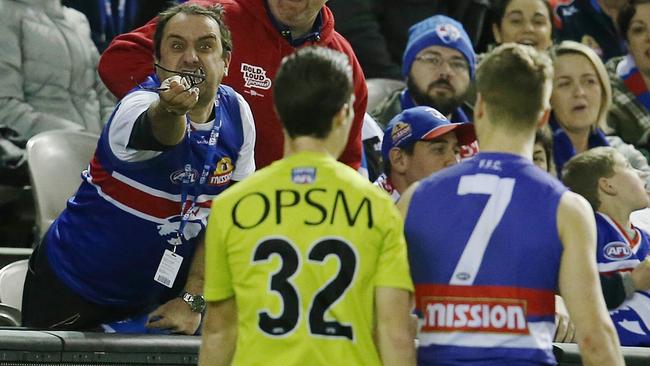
[(108, 242), (617, 252), (485, 254)]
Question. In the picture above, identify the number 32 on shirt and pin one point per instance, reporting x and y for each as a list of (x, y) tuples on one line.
[(281, 283)]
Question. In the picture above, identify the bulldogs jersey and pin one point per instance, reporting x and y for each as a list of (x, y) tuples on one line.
[(385, 184), (617, 252), (107, 244), (471, 230)]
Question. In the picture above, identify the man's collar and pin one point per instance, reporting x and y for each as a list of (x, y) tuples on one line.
[(285, 31)]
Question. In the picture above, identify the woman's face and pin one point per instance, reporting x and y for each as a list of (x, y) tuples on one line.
[(638, 36), (539, 157), (577, 93), (525, 22)]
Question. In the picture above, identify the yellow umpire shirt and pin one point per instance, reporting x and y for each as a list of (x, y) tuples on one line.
[(302, 245)]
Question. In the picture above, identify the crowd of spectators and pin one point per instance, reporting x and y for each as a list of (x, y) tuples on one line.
[(74, 65)]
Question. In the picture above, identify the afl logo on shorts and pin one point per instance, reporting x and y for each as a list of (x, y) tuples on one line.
[(617, 251), (222, 173)]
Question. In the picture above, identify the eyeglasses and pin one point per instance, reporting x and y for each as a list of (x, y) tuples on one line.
[(436, 61), (193, 79)]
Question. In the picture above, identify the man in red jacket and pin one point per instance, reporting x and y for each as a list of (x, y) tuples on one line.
[(263, 32)]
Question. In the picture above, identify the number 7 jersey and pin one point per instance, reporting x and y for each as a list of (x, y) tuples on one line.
[(485, 255), (302, 245)]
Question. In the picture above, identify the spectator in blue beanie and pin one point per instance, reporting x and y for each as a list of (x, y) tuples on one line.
[(438, 66)]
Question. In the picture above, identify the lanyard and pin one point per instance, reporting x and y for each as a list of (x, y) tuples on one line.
[(187, 183)]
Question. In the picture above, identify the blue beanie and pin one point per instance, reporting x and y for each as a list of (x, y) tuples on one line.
[(438, 30)]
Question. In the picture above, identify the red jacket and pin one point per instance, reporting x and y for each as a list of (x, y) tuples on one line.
[(257, 44)]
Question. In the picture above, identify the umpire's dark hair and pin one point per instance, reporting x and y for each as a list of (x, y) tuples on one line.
[(215, 12), (311, 86), (625, 16)]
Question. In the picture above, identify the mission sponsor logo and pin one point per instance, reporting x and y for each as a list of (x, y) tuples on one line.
[(303, 175), (255, 77), (617, 251), (448, 314), (222, 173)]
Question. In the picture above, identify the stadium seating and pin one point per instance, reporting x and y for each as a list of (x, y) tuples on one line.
[(9, 317), (12, 279), (379, 88), (56, 158)]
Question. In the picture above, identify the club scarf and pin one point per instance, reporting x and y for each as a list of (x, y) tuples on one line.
[(633, 80)]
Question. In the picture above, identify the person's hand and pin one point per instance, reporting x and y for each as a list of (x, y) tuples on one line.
[(641, 275), (177, 98), (565, 331), (176, 316)]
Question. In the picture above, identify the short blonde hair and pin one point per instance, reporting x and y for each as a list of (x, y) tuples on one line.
[(582, 172), (575, 48), (501, 77)]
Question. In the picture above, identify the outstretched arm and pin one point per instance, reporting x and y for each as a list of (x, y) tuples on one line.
[(579, 284), (167, 115)]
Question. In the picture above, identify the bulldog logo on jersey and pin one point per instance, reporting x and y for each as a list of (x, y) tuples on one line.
[(222, 173), (448, 32), (401, 131), (169, 229), (617, 251)]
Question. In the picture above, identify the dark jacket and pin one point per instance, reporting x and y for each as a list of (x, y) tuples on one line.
[(580, 21), (378, 29)]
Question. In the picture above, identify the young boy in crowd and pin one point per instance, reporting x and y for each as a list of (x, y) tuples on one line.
[(615, 189)]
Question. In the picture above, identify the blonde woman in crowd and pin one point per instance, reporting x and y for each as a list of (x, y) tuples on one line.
[(580, 101)]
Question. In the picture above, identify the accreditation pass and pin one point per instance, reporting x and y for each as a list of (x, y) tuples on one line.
[(168, 268)]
